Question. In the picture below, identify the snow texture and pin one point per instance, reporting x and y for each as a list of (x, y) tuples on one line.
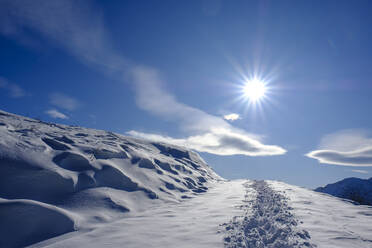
[(331, 222), (24, 217), (190, 223), (267, 221), (355, 189)]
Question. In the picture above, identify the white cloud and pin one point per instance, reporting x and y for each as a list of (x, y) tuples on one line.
[(360, 171), (361, 157), (219, 141), (351, 147), (64, 101), (15, 90), (78, 27), (56, 114), (231, 117)]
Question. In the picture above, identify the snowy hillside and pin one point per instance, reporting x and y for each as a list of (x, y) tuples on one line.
[(65, 186), (238, 213), (355, 189), (78, 177)]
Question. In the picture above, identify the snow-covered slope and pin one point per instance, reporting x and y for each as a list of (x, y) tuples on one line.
[(330, 221), (355, 189), (56, 179), (276, 214), (238, 213), (64, 186)]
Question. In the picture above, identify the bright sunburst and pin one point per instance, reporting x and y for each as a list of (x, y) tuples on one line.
[(254, 90)]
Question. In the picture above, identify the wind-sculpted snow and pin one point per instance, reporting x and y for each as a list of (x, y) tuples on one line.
[(24, 222), (93, 174), (267, 221)]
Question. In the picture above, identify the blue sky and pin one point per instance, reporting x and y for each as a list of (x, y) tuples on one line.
[(170, 70)]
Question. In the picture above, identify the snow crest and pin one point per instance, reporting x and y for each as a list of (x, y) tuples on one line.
[(267, 221)]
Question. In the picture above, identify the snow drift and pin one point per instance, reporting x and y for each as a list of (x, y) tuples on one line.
[(51, 173), (24, 222), (355, 189)]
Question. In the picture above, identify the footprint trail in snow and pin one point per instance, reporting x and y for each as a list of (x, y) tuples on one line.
[(267, 221)]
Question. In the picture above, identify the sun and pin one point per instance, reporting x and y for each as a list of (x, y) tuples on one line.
[(254, 90)]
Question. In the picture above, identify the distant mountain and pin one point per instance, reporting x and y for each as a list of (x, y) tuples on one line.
[(355, 189)]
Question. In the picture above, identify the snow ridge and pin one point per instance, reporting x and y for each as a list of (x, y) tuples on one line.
[(267, 221)]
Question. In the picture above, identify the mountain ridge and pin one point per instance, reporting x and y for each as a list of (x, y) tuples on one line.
[(355, 189)]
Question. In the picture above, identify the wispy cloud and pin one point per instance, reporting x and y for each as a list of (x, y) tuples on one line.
[(14, 90), (353, 158), (352, 147), (64, 101), (218, 141), (231, 117), (360, 171), (56, 114), (78, 27)]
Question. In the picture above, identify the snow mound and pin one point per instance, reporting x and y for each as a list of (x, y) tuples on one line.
[(24, 222), (355, 189), (51, 170)]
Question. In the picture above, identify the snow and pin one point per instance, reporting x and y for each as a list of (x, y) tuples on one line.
[(23, 217), (85, 177), (267, 221), (190, 223), (330, 221), (68, 186)]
